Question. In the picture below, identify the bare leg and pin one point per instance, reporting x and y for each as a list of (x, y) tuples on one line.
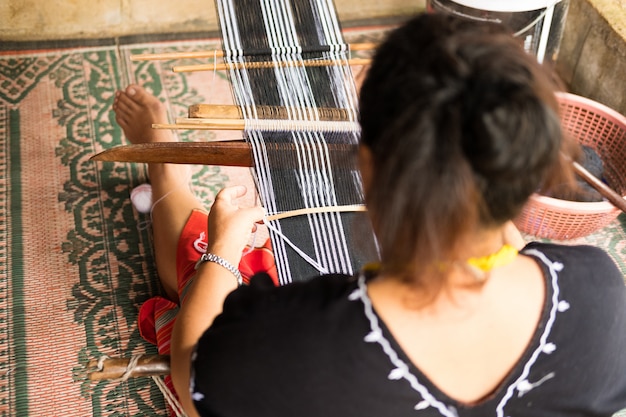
[(135, 111)]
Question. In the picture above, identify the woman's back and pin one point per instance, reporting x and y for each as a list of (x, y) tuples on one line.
[(468, 339), (320, 349)]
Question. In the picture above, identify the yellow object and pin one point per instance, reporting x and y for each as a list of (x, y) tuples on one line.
[(478, 267), (504, 256)]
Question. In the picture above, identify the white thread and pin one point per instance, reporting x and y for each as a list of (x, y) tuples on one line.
[(251, 247), (146, 223), (184, 184), (549, 348), (169, 396), (141, 197), (286, 125), (537, 19), (100, 364), (304, 256), (295, 93), (132, 364)]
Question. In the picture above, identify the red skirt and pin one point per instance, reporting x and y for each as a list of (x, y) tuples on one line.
[(158, 314)]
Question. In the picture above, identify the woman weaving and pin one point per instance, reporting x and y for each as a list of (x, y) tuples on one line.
[(459, 127)]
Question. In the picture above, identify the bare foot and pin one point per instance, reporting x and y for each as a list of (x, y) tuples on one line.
[(136, 110)]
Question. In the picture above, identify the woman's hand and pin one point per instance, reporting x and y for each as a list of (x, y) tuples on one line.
[(230, 225)]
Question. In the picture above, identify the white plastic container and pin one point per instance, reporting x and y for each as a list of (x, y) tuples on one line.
[(539, 23)]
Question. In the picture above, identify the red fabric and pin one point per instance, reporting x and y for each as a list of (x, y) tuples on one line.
[(158, 314)]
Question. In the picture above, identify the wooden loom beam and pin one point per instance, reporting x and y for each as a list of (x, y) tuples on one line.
[(227, 153)]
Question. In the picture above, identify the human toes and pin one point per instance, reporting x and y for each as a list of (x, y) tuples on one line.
[(124, 109), (142, 97), (122, 120)]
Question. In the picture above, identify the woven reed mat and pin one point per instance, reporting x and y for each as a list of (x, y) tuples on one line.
[(77, 260)]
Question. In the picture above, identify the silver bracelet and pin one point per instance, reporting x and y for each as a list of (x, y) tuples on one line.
[(209, 257)]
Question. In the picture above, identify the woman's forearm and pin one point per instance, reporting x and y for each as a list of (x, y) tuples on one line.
[(203, 303), (229, 228)]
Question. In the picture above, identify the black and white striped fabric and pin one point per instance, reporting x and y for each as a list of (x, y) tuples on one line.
[(295, 167)]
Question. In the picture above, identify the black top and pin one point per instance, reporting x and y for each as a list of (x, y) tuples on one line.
[(318, 349)]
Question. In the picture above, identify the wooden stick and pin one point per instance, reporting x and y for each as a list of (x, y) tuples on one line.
[(114, 368), (219, 53), (314, 210), (190, 126), (608, 193), (270, 64), (203, 124), (228, 153)]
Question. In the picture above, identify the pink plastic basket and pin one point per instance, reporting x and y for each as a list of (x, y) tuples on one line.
[(604, 130)]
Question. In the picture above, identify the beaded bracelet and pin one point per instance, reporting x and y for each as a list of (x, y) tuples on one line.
[(209, 257)]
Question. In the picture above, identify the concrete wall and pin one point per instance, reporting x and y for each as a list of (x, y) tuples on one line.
[(592, 60), (33, 20)]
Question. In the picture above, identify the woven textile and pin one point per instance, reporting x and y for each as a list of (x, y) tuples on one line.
[(294, 169)]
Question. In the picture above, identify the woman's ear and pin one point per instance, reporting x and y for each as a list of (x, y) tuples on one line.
[(366, 166)]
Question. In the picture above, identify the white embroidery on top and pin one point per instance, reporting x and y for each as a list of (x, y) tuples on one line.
[(525, 386), (421, 405), (549, 348), (397, 374), (521, 385), (355, 295), (373, 336), (544, 346), (400, 369)]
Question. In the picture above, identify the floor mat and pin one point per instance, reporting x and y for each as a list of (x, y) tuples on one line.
[(77, 258)]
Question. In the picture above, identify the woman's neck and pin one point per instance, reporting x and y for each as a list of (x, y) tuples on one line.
[(485, 247)]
